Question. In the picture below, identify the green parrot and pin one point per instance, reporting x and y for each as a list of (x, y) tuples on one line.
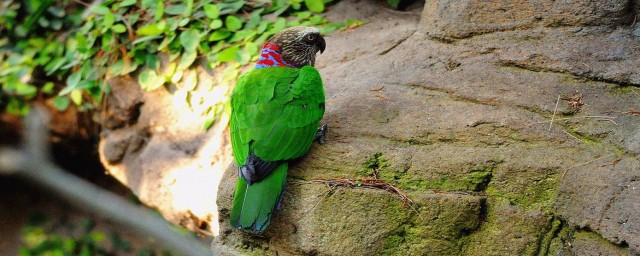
[(275, 113)]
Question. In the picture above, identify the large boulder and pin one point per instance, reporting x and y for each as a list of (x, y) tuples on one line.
[(451, 19), (522, 141)]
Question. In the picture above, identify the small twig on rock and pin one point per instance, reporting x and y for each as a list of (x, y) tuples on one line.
[(599, 118), (377, 89), (554, 113), (585, 163), (371, 183), (575, 102), (572, 136), (321, 199), (633, 112)]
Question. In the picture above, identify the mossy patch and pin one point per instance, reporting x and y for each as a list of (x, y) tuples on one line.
[(437, 227), (587, 242), (506, 230), (545, 241), (624, 89), (589, 140), (476, 180), (538, 195), (373, 165), (560, 241)]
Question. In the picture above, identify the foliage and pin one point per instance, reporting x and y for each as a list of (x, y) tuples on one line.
[(399, 4), (44, 237), (66, 51)]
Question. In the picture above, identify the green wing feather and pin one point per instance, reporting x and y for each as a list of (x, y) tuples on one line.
[(275, 113)]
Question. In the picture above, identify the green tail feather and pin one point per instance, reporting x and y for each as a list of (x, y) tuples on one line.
[(253, 205)]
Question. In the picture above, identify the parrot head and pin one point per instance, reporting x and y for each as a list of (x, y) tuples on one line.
[(299, 45)]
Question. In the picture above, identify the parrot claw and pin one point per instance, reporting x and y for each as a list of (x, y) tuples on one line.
[(247, 172), (321, 135)]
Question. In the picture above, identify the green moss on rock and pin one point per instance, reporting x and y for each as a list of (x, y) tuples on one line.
[(536, 195)]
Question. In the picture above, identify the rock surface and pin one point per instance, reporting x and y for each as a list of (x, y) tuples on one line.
[(510, 124)]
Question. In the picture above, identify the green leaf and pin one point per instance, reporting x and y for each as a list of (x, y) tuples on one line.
[(188, 57), (74, 79), (166, 41), (56, 24), (145, 39), (147, 77), (61, 103), (189, 7), (215, 24), (175, 78), (116, 69), (315, 5), (219, 35), (47, 88), (212, 11), (231, 7), (127, 3), (97, 236), (152, 61), (119, 28), (176, 9), (190, 80), (159, 10), (43, 22), (243, 57), (280, 24), (209, 122), (252, 48), (100, 9), (17, 107), (76, 97), (262, 26), (54, 65), (152, 29), (108, 20), (184, 22), (149, 80), (26, 90), (233, 23), (56, 11), (169, 71), (228, 54), (242, 35), (190, 39), (303, 15)]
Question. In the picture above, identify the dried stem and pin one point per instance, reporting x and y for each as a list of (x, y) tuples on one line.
[(369, 182), (554, 113), (32, 162)]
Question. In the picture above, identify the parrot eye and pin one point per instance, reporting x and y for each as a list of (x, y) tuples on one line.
[(310, 38)]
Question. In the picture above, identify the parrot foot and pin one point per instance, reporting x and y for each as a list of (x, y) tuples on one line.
[(256, 169), (321, 135)]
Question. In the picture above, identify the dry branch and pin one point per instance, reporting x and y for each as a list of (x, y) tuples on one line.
[(369, 182), (32, 162)]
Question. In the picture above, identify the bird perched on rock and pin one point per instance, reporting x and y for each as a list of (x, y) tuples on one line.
[(275, 113)]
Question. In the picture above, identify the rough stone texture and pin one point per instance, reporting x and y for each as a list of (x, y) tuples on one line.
[(154, 143), (468, 127), (450, 19), (587, 243)]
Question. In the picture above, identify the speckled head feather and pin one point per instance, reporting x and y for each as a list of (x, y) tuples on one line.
[(293, 47)]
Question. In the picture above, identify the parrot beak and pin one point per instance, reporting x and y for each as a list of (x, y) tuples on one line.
[(320, 43)]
